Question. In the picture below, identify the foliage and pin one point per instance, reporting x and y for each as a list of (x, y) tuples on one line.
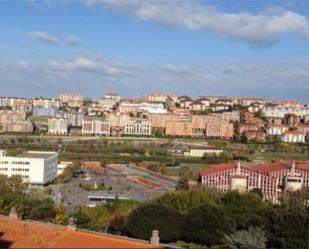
[(253, 238), (148, 217)]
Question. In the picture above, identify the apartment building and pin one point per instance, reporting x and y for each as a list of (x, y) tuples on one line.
[(58, 126), (96, 126), (137, 127), (44, 111), (16, 104), (276, 129), (280, 111), (75, 118), (161, 97), (37, 168), (219, 130), (293, 137), (109, 101), (7, 115), (16, 126), (179, 128), (74, 100), (133, 107), (271, 178), (46, 103)]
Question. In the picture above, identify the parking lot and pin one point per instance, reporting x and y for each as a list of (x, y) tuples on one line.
[(116, 182)]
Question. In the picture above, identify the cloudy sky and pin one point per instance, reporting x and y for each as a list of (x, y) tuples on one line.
[(225, 47)]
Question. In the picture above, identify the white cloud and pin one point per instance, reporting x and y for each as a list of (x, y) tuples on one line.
[(92, 76), (72, 40), (43, 36), (259, 28)]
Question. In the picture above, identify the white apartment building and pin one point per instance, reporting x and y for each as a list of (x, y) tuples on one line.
[(46, 103), (280, 111), (38, 168), (127, 107), (57, 126), (137, 127), (293, 137), (276, 130)]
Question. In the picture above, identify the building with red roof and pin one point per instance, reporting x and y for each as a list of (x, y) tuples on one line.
[(270, 177)]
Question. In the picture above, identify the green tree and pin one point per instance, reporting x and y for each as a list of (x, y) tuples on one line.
[(207, 225), (253, 238), (150, 216)]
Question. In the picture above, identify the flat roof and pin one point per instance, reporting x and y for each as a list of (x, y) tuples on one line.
[(37, 154)]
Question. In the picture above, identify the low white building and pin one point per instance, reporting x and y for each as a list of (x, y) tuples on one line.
[(200, 151), (293, 137), (37, 168)]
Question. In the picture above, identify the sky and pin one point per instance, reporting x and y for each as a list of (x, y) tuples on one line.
[(133, 47)]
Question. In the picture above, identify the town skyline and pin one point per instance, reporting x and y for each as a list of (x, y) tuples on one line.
[(138, 47)]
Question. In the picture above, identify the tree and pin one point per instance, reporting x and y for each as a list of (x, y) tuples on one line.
[(207, 225), (253, 238), (245, 209), (185, 201), (159, 217)]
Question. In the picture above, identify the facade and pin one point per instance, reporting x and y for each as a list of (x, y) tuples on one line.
[(270, 178), (57, 126), (75, 118), (219, 130), (16, 126), (179, 128), (37, 168), (293, 137), (132, 107), (161, 97), (276, 130), (200, 151), (75, 100), (6, 116), (46, 103), (137, 127), (96, 126), (44, 111)]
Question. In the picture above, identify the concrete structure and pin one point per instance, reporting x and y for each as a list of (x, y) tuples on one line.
[(75, 100), (109, 101), (37, 168), (57, 126), (161, 97)]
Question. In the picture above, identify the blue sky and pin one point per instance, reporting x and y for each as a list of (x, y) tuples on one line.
[(239, 48)]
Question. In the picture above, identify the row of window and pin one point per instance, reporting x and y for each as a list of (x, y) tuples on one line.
[(20, 163), (20, 169)]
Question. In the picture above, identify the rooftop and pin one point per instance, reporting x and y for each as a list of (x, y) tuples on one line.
[(15, 233), (37, 154)]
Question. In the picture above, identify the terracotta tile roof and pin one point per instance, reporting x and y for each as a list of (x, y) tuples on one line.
[(217, 168), (268, 167), (31, 234)]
